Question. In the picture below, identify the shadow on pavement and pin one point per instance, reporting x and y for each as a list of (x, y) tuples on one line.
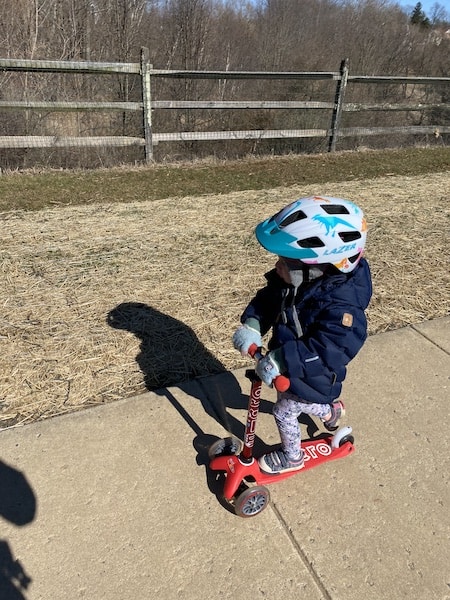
[(18, 506)]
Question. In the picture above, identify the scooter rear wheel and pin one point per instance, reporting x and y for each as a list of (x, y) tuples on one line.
[(345, 439), (251, 501)]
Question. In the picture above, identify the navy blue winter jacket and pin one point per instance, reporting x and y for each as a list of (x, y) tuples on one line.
[(333, 324)]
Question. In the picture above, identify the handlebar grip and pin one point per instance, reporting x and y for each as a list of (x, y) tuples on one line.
[(281, 382), (255, 352)]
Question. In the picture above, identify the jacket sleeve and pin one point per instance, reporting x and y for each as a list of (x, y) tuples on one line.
[(265, 306)]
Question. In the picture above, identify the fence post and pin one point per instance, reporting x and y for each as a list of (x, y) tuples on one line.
[(338, 103), (147, 105)]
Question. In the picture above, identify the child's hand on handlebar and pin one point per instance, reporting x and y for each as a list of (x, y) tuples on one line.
[(267, 369), (245, 336)]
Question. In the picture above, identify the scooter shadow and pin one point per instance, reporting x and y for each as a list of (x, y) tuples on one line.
[(203, 441)]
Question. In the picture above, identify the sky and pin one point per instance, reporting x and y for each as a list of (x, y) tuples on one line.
[(427, 5)]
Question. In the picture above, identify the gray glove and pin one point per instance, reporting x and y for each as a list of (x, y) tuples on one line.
[(267, 368), (246, 335)]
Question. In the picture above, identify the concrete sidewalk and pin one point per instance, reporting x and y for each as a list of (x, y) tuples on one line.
[(116, 502)]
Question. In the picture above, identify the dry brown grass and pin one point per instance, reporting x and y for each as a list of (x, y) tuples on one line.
[(101, 301)]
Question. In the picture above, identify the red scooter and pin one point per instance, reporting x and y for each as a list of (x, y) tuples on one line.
[(245, 483)]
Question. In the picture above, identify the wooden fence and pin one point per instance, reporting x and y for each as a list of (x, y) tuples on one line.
[(336, 106)]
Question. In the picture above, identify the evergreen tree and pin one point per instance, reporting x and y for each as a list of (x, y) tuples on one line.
[(418, 17)]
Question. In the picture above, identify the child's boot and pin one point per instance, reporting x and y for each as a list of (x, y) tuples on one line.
[(337, 413), (278, 462)]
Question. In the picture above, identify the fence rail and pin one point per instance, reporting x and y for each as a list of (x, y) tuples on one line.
[(147, 105), (67, 66), (54, 141)]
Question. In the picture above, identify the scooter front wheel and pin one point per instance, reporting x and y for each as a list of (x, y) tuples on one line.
[(225, 447), (251, 501)]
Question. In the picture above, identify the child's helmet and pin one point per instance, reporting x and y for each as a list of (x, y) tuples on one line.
[(317, 230)]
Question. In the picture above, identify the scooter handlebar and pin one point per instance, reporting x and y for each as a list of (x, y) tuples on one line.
[(281, 382)]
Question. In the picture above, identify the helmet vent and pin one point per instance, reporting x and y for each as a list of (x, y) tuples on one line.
[(354, 258), (311, 242), (349, 236), (335, 209), (298, 215)]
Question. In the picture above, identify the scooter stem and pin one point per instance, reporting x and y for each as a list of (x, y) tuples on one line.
[(252, 415)]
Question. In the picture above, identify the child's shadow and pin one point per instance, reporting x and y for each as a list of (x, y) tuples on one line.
[(170, 352), (171, 355)]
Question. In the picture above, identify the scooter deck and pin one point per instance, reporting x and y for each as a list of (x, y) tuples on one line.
[(316, 452)]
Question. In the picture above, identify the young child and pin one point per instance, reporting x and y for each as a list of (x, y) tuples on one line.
[(314, 301)]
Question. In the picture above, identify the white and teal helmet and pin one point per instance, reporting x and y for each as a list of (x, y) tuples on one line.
[(317, 230)]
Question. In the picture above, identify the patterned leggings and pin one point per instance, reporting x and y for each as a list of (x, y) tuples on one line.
[(286, 412)]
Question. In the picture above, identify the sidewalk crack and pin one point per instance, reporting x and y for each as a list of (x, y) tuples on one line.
[(414, 328), (325, 593)]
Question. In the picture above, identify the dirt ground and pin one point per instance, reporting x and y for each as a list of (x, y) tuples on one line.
[(101, 302)]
